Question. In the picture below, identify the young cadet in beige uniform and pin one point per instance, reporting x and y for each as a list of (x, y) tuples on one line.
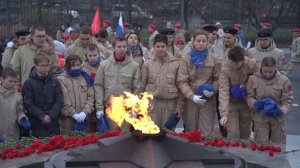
[(117, 74), (265, 47), (159, 78), (269, 93), (234, 110), (78, 94), (199, 68)]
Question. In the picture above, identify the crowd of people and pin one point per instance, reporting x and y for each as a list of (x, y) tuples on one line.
[(51, 87)]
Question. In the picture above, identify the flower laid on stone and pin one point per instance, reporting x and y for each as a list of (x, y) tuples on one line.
[(195, 136), (27, 146)]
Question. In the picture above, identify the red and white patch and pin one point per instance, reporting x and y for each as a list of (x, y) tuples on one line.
[(290, 89), (283, 60)]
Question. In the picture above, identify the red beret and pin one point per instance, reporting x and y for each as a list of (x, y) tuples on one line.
[(152, 26), (106, 22), (269, 25), (178, 26), (126, 24), (296, 30), (238, 26)]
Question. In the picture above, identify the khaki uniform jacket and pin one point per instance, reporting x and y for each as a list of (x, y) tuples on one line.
[(113, 78), (159, 79), (295, 50), (22, 61), (258, 54), (77, 49), (189, 77), (279, 89), (11, 112), (231, 76), (222, 51), (78, 97)]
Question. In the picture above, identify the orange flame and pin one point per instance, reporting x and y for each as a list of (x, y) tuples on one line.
[(123, 107)]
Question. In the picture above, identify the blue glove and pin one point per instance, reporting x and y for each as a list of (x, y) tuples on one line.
[(1, 138), (204, 86), (277, 112), (269, 105), (172, 121), (80, 126), (238, 92), (258, 105), (25, 123), (103, 124)]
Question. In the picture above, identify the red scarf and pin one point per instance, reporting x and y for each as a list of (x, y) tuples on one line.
[(120, 59)]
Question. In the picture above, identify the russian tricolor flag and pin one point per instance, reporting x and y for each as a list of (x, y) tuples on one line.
[(120, 28)]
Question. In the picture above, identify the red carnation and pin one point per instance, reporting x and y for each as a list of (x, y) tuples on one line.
[(243, 145), (93, 74), (253, 146), (278, 149), (18, 146), (271, 153)]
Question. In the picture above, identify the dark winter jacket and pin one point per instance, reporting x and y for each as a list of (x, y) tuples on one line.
[(41, 96)]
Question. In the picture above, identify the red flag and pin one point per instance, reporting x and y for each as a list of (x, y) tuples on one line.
[(96, 25)]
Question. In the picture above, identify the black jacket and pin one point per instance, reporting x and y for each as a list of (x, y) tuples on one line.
[(41, 96)]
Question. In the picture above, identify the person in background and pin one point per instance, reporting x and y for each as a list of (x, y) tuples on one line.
[(159, 78), (126, 27), (11, 110), (234, 110), (79, 98), (212, 35), (295, 50), (107, 27), (84, 40), (139, 52), (197, 78), (102, 37), (43, 99), (179, 36), (240, 33), (115, 75), (61, 33), (269, 94), (230, 39), (265, 47), (153, 32), (13, 45), (74, 34)]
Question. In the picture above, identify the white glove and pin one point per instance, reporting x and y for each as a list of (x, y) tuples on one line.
[(197, 99), (207, 93), (82, 116), (99, 114), (75, 116), (10, 44)]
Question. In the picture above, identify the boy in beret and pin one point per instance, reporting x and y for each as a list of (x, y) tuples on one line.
[(13, 45), (265, 47), (230, 39)]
